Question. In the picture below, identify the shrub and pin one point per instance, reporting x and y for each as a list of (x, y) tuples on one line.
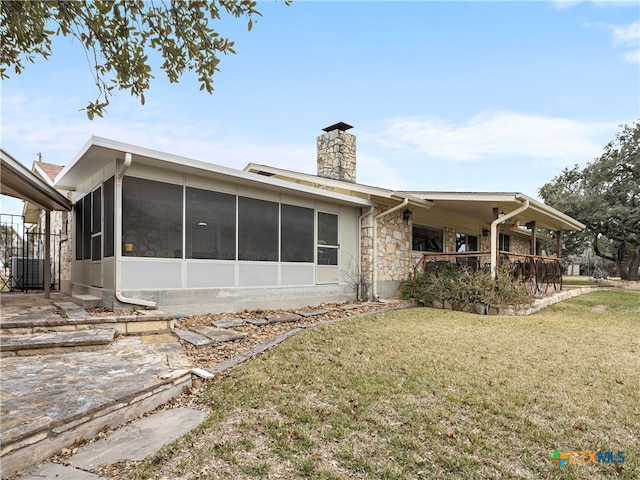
[(445, 282)]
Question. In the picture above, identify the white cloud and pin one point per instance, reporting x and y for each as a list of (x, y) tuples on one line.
[(626, 34), (561, 4), (490, 135), (26, 133)]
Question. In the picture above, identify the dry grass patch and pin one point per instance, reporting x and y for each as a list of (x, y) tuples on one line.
[(428, 393)]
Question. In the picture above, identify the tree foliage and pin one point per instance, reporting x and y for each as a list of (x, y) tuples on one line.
[(119, 36), (605, 196)]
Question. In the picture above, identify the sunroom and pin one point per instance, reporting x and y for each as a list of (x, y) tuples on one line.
[(154, 229)]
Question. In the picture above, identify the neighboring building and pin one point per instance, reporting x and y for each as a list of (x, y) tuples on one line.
[(151, 228), (60, 241)]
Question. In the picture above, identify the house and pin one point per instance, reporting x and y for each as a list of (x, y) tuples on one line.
[(59, 238), (187, 236)]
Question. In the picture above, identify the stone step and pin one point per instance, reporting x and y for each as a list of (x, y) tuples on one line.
[(87, 301), (56, 342), (76, 318)]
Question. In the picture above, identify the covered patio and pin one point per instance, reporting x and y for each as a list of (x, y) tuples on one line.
[(503, 216), (19, 182)]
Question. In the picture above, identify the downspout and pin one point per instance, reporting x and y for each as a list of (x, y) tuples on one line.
[(359, 259), (494, 231), (404, 203), (118, 240)]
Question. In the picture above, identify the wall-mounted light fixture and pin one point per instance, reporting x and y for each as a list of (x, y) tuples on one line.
[(485, 232), (406, 215)]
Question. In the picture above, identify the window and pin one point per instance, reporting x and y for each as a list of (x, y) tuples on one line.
[(77, 220), (211, 225), (327, 239), (96, 224), (503, 243), (109, 219), (86, 227), (151, 218), (427, 239), (466, 243), (257, 230), (296, 234)]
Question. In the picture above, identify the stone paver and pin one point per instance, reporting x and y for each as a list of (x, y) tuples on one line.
[(228, 323), (219, 334), (80, 338), (283, 317), (72, 310), (350, 307), (258, 322), (138, 439), (45, 396), (312, 313), (193, 337), (55, 471)]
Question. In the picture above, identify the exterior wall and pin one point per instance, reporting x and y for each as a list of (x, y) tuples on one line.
[(224, 300), (60, 243), (205, 285), (394, 247), (82, 271), (519, 243)]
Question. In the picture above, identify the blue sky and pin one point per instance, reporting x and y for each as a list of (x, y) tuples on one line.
[(454, 96)]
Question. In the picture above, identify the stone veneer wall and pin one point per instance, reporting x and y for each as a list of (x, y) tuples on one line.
[(337, 155), (449, 239), (393, 247), (519, 244), (61, 239)]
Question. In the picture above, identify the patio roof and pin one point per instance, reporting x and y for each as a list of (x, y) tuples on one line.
[(20, 182), (481, 204)]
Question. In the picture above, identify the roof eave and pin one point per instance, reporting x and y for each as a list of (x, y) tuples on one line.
[(204, 167), (20, 182)]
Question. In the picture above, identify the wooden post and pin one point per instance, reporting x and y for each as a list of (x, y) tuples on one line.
[(559, 243)]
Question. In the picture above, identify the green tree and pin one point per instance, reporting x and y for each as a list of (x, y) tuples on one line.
[(119, 36), (605, 196)]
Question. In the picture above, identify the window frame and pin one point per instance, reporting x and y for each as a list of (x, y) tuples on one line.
[(427, 240), (331, 249)]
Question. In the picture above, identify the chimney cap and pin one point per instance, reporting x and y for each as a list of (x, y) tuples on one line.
[(338, 126)]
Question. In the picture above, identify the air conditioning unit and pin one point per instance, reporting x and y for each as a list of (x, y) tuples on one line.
[(26, 273)]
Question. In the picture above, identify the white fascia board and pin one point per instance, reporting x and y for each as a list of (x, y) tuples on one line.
[(208, 167), (22, 183), (75, 159), (539, 207), (571, 223), (466, 196), (330, 182)]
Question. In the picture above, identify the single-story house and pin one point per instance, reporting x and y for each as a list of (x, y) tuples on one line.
[(188, 236)]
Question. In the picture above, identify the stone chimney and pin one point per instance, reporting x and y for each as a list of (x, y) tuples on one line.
[(337, 153)]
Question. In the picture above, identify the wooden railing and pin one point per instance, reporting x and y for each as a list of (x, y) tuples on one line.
[(536, 272)]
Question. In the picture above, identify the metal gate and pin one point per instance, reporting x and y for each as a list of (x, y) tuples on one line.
[(22, 249)]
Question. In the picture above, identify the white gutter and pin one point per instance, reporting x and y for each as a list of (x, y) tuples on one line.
[(404, 203), (359, 259), (118, 240), (494, 232)]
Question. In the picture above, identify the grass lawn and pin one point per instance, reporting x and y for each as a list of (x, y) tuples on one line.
[(431, 394)]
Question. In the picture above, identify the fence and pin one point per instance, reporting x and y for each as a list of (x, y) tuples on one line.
[(22, 250)]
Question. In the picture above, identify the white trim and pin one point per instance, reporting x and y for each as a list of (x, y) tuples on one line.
[(203, 167)]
